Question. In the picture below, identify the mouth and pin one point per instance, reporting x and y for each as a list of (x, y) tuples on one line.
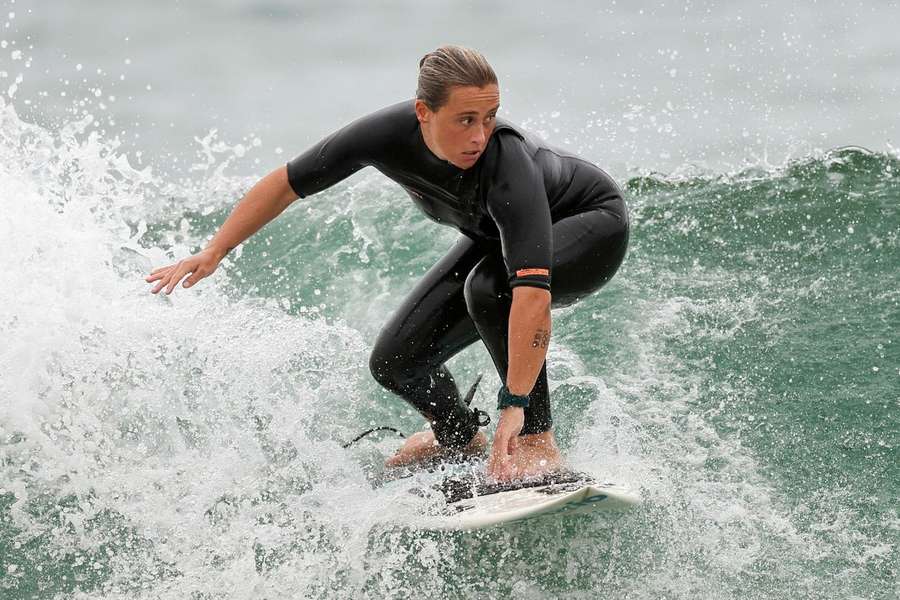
[(472, 154)]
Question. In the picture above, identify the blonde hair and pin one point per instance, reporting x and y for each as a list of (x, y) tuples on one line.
[(449, 66)]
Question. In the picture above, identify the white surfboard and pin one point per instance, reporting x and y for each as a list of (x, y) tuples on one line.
[(472, 505)]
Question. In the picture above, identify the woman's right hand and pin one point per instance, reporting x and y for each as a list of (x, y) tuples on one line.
[(200, 265), (265, 201)]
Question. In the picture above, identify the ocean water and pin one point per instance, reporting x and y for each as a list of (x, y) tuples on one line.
[(741, 371)]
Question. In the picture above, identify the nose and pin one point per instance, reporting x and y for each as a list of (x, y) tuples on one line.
[(480, 135)]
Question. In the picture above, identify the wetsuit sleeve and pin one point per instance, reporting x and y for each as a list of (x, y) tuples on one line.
[(337, 156), (517, 201)]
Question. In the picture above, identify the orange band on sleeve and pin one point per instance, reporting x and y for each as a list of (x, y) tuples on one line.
[(527, 272)]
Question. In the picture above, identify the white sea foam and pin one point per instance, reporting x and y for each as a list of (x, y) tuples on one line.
[(195, 433)]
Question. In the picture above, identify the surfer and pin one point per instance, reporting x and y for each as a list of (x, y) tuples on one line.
[(540, 228)]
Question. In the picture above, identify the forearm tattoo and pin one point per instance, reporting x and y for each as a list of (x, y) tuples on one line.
[(541, 338)]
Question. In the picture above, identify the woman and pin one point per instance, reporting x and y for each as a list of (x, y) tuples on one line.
[(527, 213)]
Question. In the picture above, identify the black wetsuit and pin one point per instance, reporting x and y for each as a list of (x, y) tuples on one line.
[(530, 214)]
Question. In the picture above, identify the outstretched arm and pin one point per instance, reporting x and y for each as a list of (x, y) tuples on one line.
[(332, 159), (265, 201)]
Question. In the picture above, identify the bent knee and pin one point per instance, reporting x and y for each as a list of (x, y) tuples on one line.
[(383, 364), (486, 289)]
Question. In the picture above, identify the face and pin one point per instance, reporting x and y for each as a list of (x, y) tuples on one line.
[(458, 131)]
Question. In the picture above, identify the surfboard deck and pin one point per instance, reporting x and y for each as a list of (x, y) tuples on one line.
[(472, 503)]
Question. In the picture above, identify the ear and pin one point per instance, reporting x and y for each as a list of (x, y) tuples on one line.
[(423, 113)]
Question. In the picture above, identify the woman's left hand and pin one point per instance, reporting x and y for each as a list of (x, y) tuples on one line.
[(501, 465)]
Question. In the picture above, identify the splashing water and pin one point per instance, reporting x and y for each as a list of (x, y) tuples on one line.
[(740, 371)]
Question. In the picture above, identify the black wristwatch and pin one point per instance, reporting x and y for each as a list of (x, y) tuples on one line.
[(506, 398)]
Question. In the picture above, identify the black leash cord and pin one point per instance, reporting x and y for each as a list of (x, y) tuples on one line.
[(481, 417), (365, 433)]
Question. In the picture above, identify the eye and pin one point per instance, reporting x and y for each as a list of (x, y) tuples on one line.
[(466, 120)]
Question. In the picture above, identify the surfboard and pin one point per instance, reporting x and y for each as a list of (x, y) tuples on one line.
[(475, 504)]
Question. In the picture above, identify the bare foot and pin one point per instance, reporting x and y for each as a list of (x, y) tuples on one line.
[(536, 454), (422, 446)]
